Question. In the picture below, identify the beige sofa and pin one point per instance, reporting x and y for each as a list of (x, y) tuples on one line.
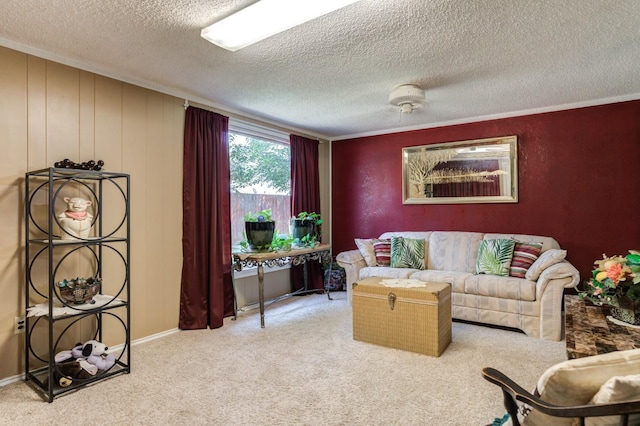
[(532, 305)]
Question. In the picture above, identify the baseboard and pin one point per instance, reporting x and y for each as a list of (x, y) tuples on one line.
[(16, 378), (9, 380)]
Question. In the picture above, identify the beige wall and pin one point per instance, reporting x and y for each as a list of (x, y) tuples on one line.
[(49, 112)]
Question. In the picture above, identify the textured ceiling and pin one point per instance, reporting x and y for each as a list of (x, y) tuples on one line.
[(332, 76)]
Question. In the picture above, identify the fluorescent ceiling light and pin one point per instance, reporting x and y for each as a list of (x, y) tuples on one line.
[(266, 18)]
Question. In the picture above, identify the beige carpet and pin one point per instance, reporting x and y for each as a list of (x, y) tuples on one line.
[(302, 369)]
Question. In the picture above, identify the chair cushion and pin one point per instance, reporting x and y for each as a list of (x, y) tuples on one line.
[(616, 389), (576, 381)]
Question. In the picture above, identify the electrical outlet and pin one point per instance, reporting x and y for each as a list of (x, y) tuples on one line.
[(19, 325)]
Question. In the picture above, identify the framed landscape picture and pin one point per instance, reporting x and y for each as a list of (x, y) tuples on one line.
[(473, 171)]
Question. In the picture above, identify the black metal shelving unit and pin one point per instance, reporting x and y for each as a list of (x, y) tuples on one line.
[(49, 258)]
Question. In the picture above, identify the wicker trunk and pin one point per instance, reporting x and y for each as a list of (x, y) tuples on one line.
[(412, 319)]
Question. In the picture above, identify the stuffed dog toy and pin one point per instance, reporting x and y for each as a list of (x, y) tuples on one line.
[(82, 362)]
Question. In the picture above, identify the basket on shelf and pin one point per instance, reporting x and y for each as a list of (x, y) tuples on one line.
[(79, 290)]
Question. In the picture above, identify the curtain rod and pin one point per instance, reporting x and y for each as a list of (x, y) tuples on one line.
[(251, 120)]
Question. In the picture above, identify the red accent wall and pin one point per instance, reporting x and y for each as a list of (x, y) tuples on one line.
[(579, 182)]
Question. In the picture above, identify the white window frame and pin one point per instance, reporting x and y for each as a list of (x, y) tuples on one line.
[(257, 131)]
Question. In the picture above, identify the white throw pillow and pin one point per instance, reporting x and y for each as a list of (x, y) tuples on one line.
[(616, 389), (366, 249), (546, 259)]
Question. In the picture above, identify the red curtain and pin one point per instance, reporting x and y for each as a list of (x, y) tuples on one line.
[(206, 294), (305, 196)]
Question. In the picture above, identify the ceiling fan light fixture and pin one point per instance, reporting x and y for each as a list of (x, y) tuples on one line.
[(264, 19), (408, 97)]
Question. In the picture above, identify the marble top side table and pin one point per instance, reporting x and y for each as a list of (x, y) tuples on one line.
[(589, 332)]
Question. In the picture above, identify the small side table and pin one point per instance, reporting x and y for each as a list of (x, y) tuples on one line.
[(296, 256), (589, 332)]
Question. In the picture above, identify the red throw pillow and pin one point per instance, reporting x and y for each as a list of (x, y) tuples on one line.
[(382, 249), (524, 254)]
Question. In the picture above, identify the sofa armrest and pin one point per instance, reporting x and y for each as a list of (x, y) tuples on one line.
[(550, 292), (352, 261), (561, 275), (561, 270)]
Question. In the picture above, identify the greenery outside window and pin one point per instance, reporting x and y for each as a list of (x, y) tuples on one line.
[(260, 168)]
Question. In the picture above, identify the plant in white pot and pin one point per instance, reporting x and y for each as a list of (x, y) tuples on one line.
[(305, 229)]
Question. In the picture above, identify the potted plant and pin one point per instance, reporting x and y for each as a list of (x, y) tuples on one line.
[(616, 282), (305, 229), (259, 230)]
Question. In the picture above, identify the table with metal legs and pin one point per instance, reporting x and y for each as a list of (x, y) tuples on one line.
[(295, 256)]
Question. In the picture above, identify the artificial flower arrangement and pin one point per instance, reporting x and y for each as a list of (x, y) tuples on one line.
[(613, 278)]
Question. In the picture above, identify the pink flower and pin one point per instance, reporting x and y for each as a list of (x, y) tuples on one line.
[(615, 272)]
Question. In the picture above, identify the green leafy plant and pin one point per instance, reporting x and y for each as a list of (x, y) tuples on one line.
[(307, 241), (280, 242), (307, 223), (312, 216), (261, 216)]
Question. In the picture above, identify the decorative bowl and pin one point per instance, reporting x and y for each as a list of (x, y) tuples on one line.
[(79, 290)]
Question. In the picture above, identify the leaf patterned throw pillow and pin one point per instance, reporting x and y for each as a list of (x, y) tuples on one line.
[(407, 253), (494, 257)]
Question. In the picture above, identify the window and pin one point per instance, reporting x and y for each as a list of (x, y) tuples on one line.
[(260, 175)]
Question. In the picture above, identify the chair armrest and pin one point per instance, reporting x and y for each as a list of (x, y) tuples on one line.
[(513, 392)]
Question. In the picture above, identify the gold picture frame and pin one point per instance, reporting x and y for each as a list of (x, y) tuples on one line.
[(472, 171)]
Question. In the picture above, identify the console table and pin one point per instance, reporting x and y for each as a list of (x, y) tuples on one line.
[(295, 256), (589, 332)]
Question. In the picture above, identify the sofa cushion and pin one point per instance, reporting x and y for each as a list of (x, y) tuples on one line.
[(547, 243), (382, 249), (494, 257), (365, 246), (524, 254), (456, 279), (546, 259), (385, 272), (407, 253), (453, 251), (501, 287)]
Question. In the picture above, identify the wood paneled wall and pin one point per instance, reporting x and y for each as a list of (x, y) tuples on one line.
[(49, 112)]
